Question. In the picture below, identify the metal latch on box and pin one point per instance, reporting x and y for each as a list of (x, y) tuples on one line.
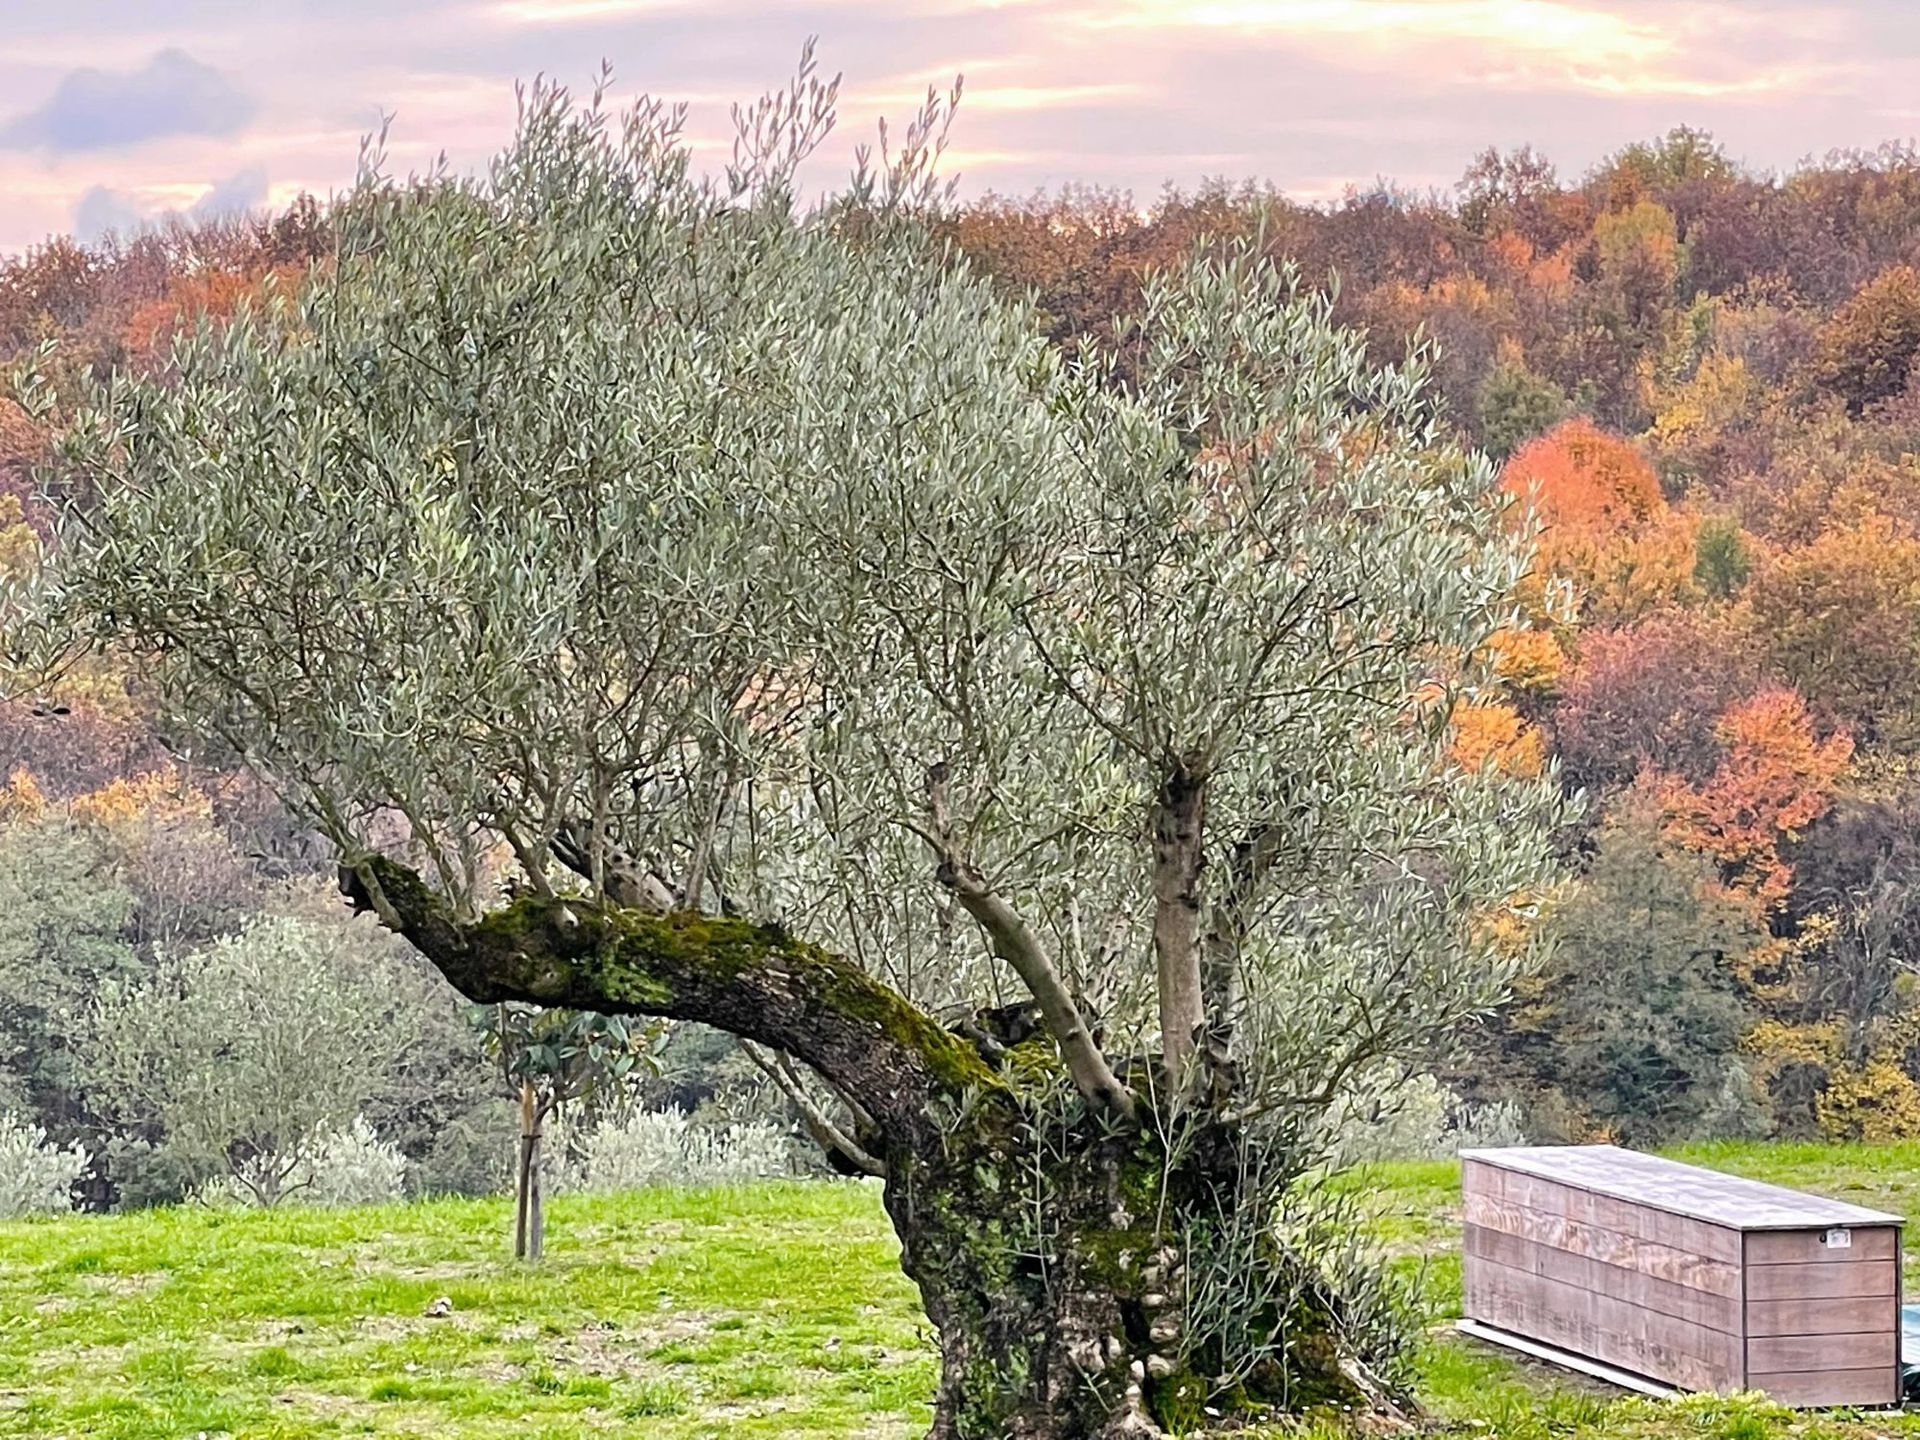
[(1837, 1239)]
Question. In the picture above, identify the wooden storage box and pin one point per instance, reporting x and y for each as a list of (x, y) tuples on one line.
[(1694, 1279)]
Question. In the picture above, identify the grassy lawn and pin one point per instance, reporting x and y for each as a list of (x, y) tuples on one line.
[(776, 1310)]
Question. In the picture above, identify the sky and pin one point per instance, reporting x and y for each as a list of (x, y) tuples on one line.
[(115, 113)]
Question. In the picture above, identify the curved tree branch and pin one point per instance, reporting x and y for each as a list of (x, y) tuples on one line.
[(1013, 941), (752, 980), (826, 1134)]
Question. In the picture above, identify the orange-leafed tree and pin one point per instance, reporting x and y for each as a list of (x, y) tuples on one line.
[(1776, 776), (212, 293), (1606, 529), (1491, 733), (1527, 661), (1582, 479)]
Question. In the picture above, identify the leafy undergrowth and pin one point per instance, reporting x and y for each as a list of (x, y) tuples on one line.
[(772, 1310)]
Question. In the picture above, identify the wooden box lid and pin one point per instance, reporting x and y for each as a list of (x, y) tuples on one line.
[(1661, 1184)]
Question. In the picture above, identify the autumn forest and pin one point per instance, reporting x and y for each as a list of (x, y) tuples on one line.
[(1699, 378)]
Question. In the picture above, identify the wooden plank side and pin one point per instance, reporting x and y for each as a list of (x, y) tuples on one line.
[(1807, 1247), (1478, 1178), (1517, 1252), (1603, 1327), (1771, 1353), (1586, 1207), (1676, 1265), (1821, 1280), (1829, 1387), (1746, 1299), (1846, 1315)]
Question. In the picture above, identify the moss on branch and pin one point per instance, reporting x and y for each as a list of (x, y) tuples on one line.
[(749, 978)]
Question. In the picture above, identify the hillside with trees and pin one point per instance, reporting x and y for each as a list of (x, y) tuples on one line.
[(1701, 379), (1046, 737)]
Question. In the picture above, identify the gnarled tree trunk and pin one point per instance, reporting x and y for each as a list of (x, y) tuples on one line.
[(1059, 1246), (1071, 1269)]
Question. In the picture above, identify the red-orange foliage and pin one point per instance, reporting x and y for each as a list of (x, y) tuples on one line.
[(1775, 778), (1605, 526), (215, 294), (1583, 479)]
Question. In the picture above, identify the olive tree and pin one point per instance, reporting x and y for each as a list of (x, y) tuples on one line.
[(675, 601), (245, 1056)]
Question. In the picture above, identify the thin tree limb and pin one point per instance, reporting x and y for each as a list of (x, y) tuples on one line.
[(1014, 942), (829, 1135)]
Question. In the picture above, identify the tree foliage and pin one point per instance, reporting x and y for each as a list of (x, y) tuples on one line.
[(1867, 348), (1702, 371), (715, 560), (1775, 777), (1840, 617), (1635, 1026), (1648, 696), (242, 1056)]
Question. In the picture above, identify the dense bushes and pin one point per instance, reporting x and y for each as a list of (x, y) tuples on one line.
[(241, 1056), (168, 1031), (333, 1165), (652, 1147), (36, 1176)]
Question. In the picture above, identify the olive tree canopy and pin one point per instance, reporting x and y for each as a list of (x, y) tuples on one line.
[(672, 599)]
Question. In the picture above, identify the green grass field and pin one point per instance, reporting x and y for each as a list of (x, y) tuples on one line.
[(776, 1310)]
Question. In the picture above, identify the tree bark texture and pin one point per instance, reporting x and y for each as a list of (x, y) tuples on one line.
[(1179, 853), (1054, 1242)]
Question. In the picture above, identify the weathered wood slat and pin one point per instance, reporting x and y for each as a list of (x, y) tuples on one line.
[(1829, 1387), (1604, 1327), (1607, 1212), (1700, 1307), (1657, 1183), (1846, 1315), (1667, 1262), (1808, 1247), (1770, 1353), (1821, 1280)]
